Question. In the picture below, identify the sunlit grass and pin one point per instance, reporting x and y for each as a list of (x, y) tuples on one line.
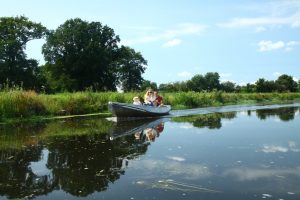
[(22, 104)]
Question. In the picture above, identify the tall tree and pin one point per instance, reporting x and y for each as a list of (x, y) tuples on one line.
[(197, 83), (212, 81), (82, 55), (15, 32), (228, 86), (131, 67), (286, 83)]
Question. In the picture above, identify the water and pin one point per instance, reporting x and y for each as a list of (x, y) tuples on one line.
[(251, 153)]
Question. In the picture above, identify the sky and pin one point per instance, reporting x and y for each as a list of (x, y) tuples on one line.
[(242, 40)]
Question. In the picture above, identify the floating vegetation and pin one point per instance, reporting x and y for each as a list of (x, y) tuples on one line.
[(169, 184)]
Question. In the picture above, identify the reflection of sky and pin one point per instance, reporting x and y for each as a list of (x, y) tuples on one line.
[(292, 146), (171, 168), (39, 168), (249, 174)]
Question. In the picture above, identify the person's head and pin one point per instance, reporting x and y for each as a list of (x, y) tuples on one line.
[(136, 99), (149, 92), (155, 93)]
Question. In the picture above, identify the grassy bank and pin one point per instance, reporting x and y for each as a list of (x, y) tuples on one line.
[(18, 104)]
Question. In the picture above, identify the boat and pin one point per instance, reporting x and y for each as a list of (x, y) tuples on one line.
[(131, 110)]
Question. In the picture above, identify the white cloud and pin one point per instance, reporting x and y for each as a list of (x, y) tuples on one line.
[(172, 43), (276, 74), (184, 74), (186, 29), (260, 21), (260, 29), (281, 13), (224, 75), (265, 45)]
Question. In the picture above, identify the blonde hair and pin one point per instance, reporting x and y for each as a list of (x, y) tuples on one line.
[(136, 98)]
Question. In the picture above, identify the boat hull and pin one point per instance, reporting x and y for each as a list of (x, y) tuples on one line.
[(130, 110)]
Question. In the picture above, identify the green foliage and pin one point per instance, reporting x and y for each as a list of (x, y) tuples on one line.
[(21, 104), (80, 54), (228, 86), (285, 83), (210, 121), (15, 32), (131, 65), (146, 84)]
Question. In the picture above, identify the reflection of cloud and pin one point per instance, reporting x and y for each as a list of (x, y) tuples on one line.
[(189, 171), (292, 146), (274, 149), (186, 126), (176, 158), (249, 174)]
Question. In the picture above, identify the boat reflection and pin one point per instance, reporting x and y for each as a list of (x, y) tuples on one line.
[(149, 128)]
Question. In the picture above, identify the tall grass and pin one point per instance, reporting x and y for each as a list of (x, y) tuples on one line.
[(23, 104)]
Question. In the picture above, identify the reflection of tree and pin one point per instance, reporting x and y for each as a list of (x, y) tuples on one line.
[(86, 164), (211, 121), (17, 179), (79, 165), (284, 114)]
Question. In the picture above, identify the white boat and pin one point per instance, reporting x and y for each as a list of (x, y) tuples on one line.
[(131, 110)]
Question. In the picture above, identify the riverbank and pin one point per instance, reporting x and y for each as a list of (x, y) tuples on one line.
[(18, 105)]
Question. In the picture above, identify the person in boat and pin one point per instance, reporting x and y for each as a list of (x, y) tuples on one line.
[(136, 101), (159, 101), (149, 98)]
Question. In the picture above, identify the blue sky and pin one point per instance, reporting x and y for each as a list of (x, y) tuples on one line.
[(242, 40)]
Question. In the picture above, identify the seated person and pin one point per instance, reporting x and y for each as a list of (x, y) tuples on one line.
[(158, 100), (149, 98), (136, 101)]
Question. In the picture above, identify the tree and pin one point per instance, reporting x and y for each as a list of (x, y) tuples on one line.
[(228, 86), (197, 83), (131, 66), (212, 81), (82, 55), (146, 84), (15, 33), (286, 83), (263, 85)]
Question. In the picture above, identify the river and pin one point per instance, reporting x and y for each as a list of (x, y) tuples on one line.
[(231, 152)]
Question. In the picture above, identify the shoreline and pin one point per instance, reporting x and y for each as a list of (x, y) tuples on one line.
[(245, 104)]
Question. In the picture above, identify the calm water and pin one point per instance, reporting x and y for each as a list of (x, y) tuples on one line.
[(249, 154)]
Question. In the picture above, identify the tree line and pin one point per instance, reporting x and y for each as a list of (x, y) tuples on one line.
[(81, 55), (211, 82)]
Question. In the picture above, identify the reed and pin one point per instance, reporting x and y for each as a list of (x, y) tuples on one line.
[(18, 103)]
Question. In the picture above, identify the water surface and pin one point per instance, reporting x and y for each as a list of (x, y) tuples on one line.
[(251, 153)]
